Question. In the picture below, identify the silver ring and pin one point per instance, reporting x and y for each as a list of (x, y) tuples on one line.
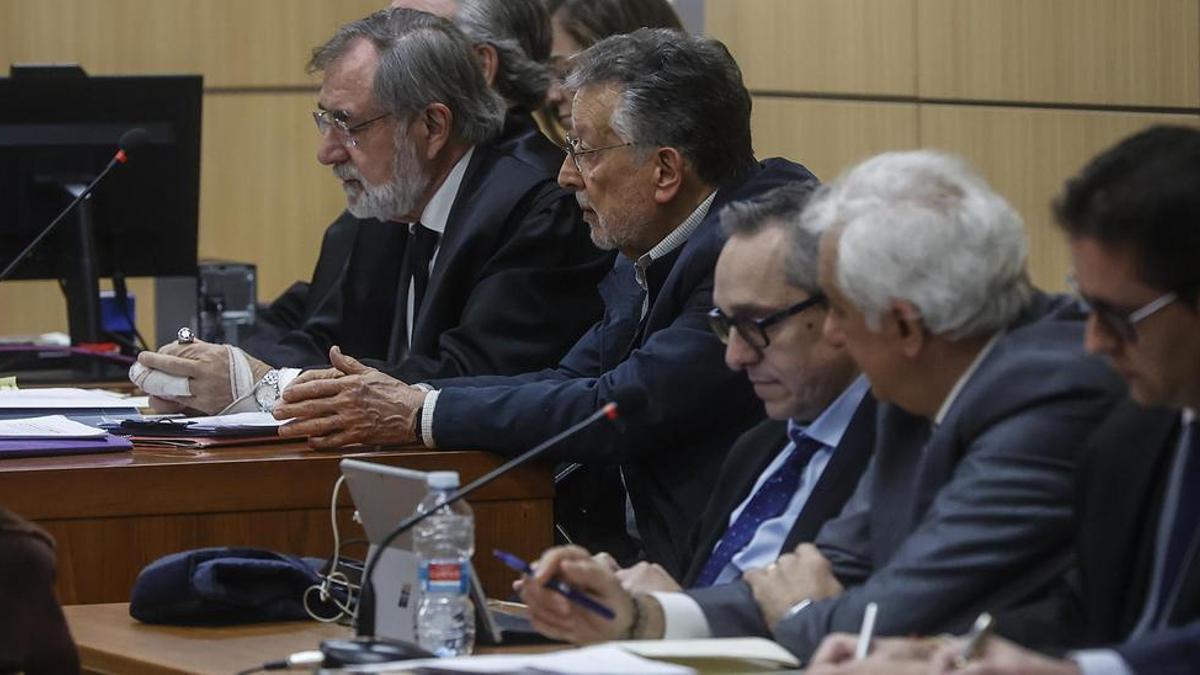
[(185, 336)]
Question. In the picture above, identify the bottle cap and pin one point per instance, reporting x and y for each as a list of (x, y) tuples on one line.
[(442, 480)]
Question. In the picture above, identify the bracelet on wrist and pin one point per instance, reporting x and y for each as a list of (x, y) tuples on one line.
[(635, 627)]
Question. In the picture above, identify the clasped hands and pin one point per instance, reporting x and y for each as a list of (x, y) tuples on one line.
[(348, 403)]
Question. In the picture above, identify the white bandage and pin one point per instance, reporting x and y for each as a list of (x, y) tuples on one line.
[(159, 384)]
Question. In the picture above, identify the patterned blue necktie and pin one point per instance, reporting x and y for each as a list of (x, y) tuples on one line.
[(771, 500), (1187, 518)]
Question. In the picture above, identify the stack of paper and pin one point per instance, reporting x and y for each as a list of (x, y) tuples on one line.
[(644, 657), (203, 432), (90, 406), (54, 435)]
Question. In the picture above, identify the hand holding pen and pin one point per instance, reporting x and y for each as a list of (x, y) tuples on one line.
[(557, 585)]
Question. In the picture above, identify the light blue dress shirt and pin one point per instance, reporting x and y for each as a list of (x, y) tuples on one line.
[(828, 428)]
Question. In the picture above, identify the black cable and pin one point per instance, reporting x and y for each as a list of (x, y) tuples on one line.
[(269, 665)]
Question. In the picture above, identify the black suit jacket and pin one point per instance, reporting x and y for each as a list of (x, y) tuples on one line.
[(514, 252), (750, 456), (1121, 487), (671, 451)]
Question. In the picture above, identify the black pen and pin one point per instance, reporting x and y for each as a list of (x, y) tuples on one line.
[(555, 585)]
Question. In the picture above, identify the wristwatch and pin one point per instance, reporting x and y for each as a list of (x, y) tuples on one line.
[(266, 392)]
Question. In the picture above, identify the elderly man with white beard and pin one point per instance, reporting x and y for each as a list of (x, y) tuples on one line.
[(461, 240)]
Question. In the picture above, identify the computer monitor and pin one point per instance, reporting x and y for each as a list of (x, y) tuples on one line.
[(59, 127)]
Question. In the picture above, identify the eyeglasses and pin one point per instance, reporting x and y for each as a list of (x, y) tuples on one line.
[(329, 120), (754, 331), (572, 149), (1121, 325)]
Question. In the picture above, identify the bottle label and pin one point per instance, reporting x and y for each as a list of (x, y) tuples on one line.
[(445, 577)]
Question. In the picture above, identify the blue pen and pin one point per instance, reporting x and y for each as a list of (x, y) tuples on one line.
[(555, 585)]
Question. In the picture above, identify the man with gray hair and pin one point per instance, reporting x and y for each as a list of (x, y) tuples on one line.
[(488, 241), (985, 397), (511, 41), (661, 141)]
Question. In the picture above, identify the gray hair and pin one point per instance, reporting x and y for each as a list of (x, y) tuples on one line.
[(926, 228), (423, 59), (780, 207), (677, 90), (519, 30)]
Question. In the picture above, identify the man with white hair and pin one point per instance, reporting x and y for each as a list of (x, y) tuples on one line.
[(985, 398)]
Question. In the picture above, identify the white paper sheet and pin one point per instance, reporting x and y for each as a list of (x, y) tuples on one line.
[(61, 398), (598, 660), (47, 426)]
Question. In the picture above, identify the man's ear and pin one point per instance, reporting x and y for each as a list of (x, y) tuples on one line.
[(489, 62), (910, 328), (668, 174), (436, 125)]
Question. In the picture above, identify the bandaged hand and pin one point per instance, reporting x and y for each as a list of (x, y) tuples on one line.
[(198, 376)]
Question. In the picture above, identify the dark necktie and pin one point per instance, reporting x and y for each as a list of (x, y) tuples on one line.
[(771, 500), (414, 274), (1187, 518)]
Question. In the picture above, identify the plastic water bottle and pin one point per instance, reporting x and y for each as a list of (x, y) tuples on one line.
[(444, 543)]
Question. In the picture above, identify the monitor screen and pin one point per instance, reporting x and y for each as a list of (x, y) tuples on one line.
[(60, 127)]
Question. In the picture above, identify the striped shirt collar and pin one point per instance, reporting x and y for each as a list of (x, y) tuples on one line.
[(672, 241)]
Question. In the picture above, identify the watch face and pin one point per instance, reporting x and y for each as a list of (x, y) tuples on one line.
[(266, 395)]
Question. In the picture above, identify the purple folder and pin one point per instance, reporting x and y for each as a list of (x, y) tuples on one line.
[(40, 447)]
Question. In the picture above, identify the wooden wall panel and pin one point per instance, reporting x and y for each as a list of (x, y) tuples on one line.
[(835, 46), (36, 307), (830, 136), (1118, 52), (1026, 155), (263, 196), (232, 42)]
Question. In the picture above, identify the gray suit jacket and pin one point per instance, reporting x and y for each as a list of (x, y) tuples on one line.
[(973, 515)]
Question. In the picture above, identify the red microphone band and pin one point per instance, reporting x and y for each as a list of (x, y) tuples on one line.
[(610, 411), (121, 157)]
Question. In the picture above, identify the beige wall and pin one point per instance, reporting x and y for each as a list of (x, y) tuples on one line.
[(1025, 89), (263, 197)]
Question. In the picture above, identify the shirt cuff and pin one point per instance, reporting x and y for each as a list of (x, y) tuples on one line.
[(427, 418), (682, 617), (1100, 662), (286, 375)]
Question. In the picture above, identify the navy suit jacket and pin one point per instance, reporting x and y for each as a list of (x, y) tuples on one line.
[(515, 250), (971, 516), (1121, 487), (747, 460), (671, 451)]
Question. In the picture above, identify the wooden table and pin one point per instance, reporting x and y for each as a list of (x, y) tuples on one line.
[(112, 514), (111, 643)]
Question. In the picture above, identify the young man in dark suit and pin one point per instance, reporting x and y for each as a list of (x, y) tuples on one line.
[(786, 476), (652, 161), (458, 239)]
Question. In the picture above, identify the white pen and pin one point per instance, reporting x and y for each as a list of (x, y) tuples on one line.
[(865, 633)]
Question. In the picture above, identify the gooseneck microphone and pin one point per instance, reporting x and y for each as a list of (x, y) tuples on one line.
[(131, 140), (626, 401)]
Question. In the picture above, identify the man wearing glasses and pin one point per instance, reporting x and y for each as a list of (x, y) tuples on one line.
[(457, 242), (985, 397), (785, 477), (653, 160)]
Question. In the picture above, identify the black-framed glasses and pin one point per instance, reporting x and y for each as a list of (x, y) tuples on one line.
[(572, 148), (329, 120), (1120, 324), (754, 331)]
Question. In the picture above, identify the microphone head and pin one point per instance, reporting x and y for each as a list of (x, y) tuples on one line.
[(629, 400), (133, 139)]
